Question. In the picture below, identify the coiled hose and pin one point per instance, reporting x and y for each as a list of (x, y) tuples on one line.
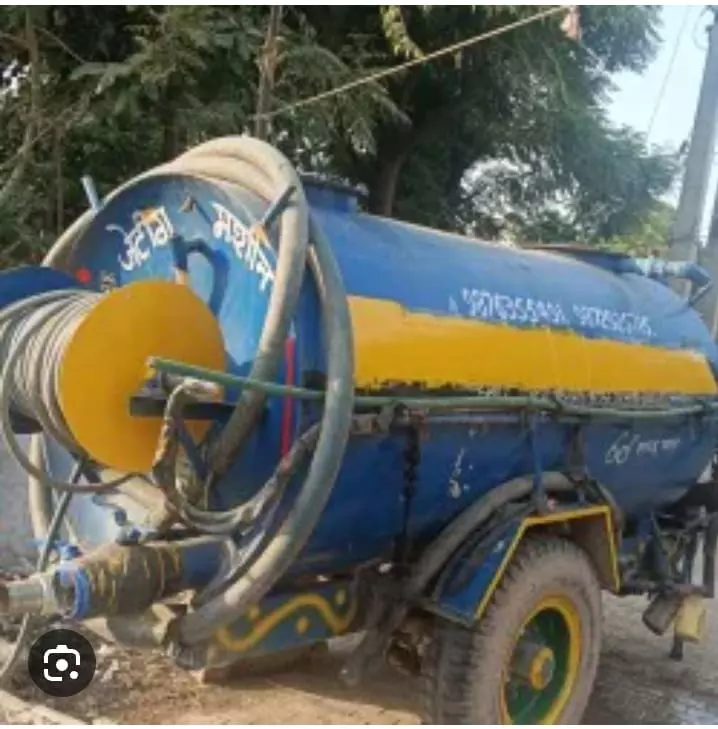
[(260, 168), (33, 335)]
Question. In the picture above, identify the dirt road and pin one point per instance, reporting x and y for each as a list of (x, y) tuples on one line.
[(637, 684)]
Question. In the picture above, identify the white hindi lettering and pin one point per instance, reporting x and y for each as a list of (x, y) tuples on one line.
[(246, 247), (493, 306), (152, 229), (631, 445), (158, 226), (630, 325)]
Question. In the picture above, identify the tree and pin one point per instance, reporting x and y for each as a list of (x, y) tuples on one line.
[(507, 137), (123, 89), (649, 235), (126, 87)]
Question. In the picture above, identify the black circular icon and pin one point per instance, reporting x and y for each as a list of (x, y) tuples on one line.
[(62, 663)]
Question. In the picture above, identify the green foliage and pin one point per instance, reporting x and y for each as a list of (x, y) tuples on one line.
[(507, 137), (308, 67), (396, 32), (650, 234)]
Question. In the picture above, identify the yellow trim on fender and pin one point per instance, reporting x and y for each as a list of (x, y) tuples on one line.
[(335, 622), (396, 345), (553, 518)]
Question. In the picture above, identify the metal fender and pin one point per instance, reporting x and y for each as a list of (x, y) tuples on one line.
[(467, 582)]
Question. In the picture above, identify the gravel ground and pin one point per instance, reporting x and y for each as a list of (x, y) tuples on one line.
[(15, 532), (637, 684), (16, 711)]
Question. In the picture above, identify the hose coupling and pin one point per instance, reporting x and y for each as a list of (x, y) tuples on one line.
[(116, 579), (37, 595)]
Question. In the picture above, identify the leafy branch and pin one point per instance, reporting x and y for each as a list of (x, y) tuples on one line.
[(25, 152)]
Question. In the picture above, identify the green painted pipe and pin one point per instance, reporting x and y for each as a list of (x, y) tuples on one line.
[(444, 402)]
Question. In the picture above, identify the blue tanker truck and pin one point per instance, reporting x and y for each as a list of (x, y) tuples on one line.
[(255, 418)]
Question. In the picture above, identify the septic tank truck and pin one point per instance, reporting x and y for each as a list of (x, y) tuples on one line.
[(260, 419)]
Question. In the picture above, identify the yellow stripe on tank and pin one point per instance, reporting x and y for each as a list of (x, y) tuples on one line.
[(394, 345)]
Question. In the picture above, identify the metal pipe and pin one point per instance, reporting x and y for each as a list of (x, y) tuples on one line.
[(91, 192), (35, 595)]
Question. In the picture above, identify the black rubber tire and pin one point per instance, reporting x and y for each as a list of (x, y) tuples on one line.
[(462, 669)]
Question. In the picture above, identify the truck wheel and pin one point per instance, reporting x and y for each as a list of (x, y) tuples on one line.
[(532, 658)]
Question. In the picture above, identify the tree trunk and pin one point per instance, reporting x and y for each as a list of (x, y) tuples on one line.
[(170, 138), (267, 69), (170, 131), (383, 191), (393, 149), (59, 183)]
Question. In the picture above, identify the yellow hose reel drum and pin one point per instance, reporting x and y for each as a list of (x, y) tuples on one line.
[(105, 364)]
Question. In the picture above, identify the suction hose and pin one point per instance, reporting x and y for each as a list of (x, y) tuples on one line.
[(328, 454), (260, 168)]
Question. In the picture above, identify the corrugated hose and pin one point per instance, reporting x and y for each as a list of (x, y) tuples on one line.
[(33, 335)]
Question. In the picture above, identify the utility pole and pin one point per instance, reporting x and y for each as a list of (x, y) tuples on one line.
[(684, 241), (267, 67), (708, 259)]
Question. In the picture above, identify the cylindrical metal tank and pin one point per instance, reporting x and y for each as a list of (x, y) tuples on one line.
[(431, 312)]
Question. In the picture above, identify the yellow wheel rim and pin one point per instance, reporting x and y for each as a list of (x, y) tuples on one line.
[(537, 692)]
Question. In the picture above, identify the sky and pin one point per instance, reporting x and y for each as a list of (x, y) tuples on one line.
[(637, 95)]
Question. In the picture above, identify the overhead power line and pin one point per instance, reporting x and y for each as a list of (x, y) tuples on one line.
[(385, 73), (379, 74), (669, 71)]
